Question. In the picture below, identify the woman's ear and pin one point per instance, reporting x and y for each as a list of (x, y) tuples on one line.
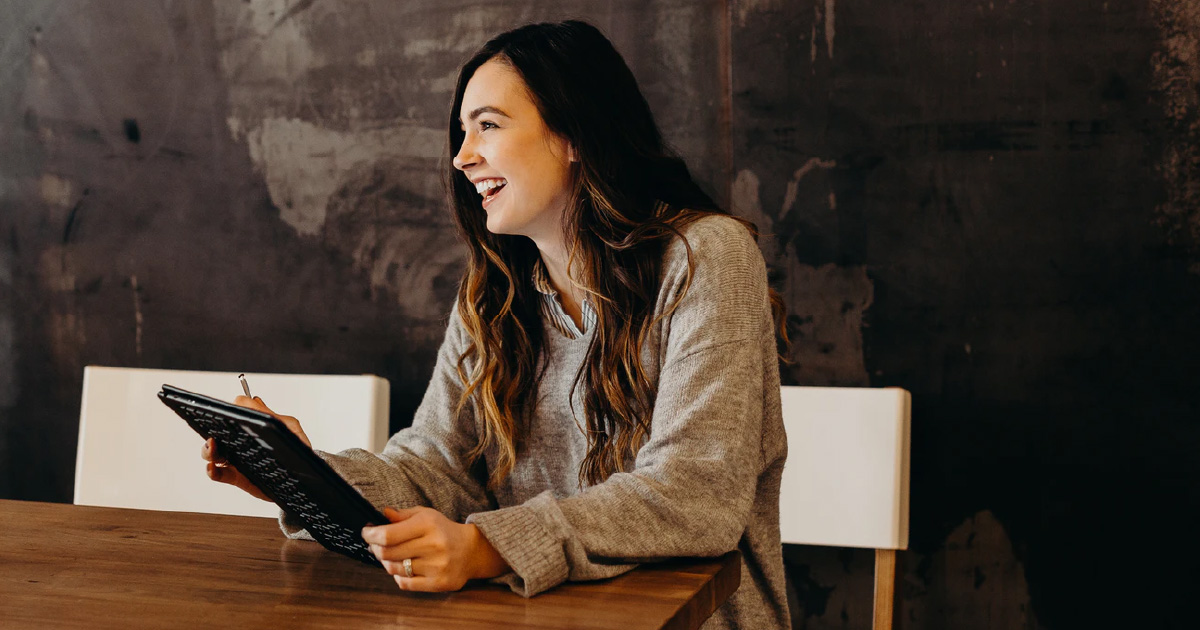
[(571, 154)]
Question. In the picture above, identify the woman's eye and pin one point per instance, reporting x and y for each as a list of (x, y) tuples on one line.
[(487, 124)]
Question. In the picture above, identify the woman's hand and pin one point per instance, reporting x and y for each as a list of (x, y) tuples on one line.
[(444, 554), (218, 467)]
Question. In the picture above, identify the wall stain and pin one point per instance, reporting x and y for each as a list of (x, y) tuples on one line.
[(1176, 71), (132, 132), (975, 576), (827, 304), (71, 217), (257, 45), (829, 27), (296, 9), (303, 163), (55, 191), (386, 217), (793, 185)]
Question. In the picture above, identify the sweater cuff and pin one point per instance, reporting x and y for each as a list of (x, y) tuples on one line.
[(292, 527), (519, 536)]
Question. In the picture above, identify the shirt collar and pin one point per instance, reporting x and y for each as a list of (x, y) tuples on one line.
[(541, 281)]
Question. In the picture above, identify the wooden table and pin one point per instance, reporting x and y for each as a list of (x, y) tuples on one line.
[(87, 567)]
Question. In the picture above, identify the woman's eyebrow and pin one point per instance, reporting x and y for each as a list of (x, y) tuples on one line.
[(486, 109)]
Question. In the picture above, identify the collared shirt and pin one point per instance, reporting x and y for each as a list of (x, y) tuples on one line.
[(552, 309)]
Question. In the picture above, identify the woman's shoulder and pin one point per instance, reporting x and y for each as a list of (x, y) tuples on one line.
[(712, 240), (719, 292), (717, 227)]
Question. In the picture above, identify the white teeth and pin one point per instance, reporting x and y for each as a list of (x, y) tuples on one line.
[(484, 185)]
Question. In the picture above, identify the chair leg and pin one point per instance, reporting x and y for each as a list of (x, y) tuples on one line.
[(886, 574)]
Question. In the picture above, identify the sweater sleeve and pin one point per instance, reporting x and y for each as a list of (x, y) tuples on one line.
[(425, 464), (693, 483)]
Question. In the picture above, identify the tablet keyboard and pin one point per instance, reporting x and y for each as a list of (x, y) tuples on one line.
[(259, 464)]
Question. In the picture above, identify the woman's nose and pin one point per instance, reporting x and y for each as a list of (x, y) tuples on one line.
[(467, 156)]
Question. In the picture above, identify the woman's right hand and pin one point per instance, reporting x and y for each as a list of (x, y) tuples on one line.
[(219, 468)]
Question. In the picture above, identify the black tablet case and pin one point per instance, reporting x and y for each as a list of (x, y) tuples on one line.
[(284, 468)]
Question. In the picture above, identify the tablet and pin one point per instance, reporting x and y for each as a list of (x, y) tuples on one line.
[(284, 468)]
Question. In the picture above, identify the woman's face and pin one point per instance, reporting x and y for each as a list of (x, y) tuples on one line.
[(521, 169)]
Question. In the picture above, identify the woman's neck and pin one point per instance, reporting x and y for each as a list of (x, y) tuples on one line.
[(554, 256)]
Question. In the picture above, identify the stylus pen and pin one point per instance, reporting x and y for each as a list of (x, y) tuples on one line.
[(245, 385)]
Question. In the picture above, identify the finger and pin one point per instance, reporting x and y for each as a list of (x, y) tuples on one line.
[(394, 534), (290, 422), (223, 474), (209, 453), (232, 476), (396, 567), (421, 584), (247, 486), (397, 516), (412, 549), (264, 406), (293, 425), (252, 403)]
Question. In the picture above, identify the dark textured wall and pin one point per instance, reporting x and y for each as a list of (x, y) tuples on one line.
[(995, 205)]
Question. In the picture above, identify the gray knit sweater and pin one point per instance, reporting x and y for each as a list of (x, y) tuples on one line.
[(706, 481)]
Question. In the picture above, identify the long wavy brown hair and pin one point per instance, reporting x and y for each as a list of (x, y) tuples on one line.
[(631, 196)]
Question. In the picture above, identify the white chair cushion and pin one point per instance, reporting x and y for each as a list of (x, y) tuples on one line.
[(845, 483)]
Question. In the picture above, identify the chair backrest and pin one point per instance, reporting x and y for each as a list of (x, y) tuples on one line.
[(134, 452), (845, 483)]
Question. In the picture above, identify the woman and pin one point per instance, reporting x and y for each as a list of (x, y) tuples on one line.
[(608, 389)]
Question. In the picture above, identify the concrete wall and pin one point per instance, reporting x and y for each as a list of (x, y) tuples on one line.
[(995, 205)]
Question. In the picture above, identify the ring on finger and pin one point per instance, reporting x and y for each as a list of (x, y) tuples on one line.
[(408, 567)]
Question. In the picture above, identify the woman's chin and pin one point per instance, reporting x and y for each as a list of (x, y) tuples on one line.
[(496, 224)]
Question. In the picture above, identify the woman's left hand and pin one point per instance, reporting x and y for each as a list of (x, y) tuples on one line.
[(443, 554)]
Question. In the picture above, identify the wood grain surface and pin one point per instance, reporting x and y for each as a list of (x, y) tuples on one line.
[(884, 613), (67, 566)]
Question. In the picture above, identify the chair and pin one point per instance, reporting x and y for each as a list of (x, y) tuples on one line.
[(846, 480), (134, 452)]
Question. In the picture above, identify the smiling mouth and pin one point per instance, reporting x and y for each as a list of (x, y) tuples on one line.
[(489, 188)]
